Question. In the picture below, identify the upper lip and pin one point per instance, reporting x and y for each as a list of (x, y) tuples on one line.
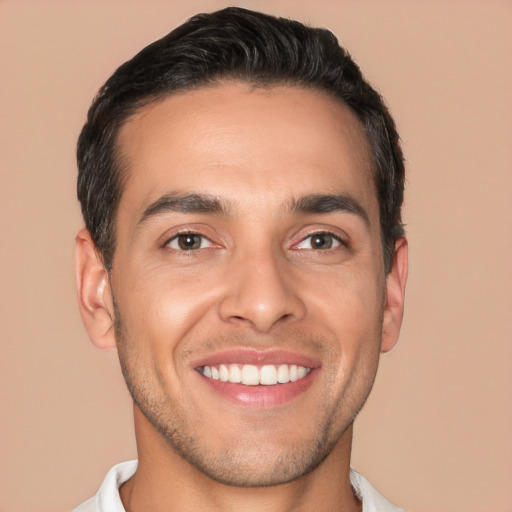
[(256, 357)]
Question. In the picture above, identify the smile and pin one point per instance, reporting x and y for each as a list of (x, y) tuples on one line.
[(252, 375)]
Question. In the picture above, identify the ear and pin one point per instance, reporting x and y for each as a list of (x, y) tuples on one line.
[(395, 294), (94, 293)]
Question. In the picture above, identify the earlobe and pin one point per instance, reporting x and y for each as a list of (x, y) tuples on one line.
[(94, 293), (395, 295)]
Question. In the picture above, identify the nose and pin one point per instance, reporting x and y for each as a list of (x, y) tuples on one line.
[(259, 292)]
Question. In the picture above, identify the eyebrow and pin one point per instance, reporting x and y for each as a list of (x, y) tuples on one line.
[(329, 203), (204, 203), (184, 203)]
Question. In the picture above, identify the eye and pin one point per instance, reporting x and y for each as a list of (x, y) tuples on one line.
[(188, 242), (320, 241)]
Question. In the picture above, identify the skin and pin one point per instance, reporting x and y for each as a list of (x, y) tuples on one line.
[(256, 282)]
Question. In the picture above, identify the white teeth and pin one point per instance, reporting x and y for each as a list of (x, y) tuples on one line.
[(268, 375), (251, 375), (235, 373), (301, 372), (223, 373), (283, 374)]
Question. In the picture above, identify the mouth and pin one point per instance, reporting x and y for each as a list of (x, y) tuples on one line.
[(254, 378), (253, 375)]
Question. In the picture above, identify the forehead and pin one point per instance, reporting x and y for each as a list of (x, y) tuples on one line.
[(252, 146)]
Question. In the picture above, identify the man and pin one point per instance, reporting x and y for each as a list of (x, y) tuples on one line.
[(241, 185)]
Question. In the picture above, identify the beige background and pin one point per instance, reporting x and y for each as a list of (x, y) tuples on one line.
[(436, 433)]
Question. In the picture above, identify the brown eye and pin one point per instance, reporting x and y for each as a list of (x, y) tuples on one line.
[(320, 241), (188, 242)]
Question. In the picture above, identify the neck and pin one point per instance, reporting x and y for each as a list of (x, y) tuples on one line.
[(164, 481)]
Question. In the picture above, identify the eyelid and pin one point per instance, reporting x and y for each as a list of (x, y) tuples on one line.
[(184, 232), (336, 236)]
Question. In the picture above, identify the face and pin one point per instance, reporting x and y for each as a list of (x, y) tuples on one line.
[(249, 291)]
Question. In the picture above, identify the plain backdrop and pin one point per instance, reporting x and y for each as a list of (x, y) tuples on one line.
[(435, 435)]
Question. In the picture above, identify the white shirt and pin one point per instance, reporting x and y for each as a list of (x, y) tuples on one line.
[(107, 498)]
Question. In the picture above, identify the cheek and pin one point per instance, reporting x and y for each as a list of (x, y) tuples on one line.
[(351, 314), (160, 306), (349, 301)]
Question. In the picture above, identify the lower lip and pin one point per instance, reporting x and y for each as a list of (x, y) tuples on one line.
[(261, 396)]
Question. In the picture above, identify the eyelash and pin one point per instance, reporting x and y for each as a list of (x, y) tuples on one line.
[(333, 237), (184, 234), (177, 236)]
